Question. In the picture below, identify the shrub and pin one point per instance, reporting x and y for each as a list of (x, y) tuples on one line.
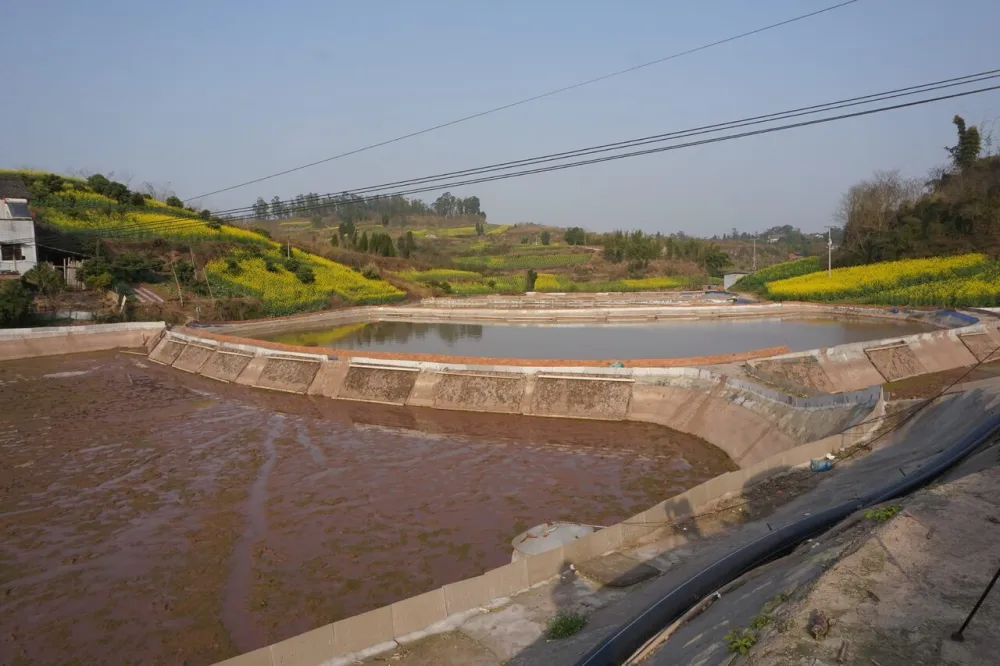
[(305, 274), (371, 272), (174, 202), (45, 279), (16, 304), (529, 281), (564, 625), (184, 270), (740, 640)]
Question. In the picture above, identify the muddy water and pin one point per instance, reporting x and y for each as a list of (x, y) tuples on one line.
[(150, 516), (667, 339)]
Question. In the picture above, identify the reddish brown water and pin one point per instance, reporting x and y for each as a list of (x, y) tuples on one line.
[(150, 516)]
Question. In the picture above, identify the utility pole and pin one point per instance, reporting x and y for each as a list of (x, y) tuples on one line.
[(755, 253), (829, 251)]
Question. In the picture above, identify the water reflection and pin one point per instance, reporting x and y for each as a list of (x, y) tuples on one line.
[(668, 339)]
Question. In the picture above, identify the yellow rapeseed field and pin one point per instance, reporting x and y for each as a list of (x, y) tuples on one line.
[(870, 283), (283, 292)]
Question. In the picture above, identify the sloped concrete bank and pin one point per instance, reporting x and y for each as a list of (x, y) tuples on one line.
[(747, 421), (853, 366), (53, 340)]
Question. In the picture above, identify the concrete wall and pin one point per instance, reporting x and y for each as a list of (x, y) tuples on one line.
[(384, 629), (747, 421), (15, 232), (854, 366), (54, 340)]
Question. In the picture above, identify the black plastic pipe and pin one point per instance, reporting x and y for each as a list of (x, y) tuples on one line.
[(614, 650)]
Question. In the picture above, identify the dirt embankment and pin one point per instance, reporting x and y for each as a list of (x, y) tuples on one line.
[(904, 585)]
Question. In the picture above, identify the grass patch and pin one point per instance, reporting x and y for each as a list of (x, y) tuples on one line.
[(564, 624), (883, 514), (740, 640)]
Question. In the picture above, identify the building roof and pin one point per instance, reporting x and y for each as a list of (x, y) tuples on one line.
[(13, 188)]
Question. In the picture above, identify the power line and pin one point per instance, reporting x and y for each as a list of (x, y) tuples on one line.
[(706, 129), (533, 98), (176, 222), (440, 186)]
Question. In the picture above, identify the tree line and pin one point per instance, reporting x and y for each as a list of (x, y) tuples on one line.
[(639, 248), (354, 208), (956, 210)]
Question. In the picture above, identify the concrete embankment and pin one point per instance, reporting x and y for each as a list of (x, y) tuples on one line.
[(855, 366), (607, 393), (747, 421), (53, 340)]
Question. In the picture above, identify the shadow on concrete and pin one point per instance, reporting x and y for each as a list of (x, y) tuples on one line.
[(677, 550), (783, 496)]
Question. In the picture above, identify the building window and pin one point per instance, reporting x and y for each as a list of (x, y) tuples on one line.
[(17, 209), (11, 252)]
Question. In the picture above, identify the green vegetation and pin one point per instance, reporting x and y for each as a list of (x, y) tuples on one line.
[(575, 236), (438, 274), (883, 514), (103, 208), (638, 249), (757, 282), (522, 261), (16, 304), (297, 283), (354, 208), (887, 217), (564, 624), (740, 640)]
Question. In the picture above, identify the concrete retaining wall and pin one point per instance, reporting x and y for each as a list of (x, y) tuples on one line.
[(747, 421), (54, 340), (381, 630), (854, 366)]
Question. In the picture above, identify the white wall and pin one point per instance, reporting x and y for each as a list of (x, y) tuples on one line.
[(19, 230)]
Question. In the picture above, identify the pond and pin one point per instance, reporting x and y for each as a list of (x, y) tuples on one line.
[(667, 339), (156, 516)]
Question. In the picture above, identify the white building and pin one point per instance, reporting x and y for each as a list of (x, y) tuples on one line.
[(18, 252)]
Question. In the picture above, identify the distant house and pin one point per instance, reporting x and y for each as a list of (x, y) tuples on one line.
[(17, 230), (792, 256)]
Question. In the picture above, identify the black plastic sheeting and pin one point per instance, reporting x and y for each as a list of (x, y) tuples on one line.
[(618, 647)]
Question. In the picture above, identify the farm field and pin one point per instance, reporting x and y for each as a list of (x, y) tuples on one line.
[(522, 261), (968, 280), (297, 284), (76, 210), (469, 282)]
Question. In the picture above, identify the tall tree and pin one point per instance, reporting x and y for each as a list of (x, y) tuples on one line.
[(966, 151), (278, 208), (260, 209), (868, 209)]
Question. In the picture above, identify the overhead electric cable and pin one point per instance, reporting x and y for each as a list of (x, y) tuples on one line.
[(326, 203), (534, 98)]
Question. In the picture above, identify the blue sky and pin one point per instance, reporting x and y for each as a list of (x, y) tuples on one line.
[(203, 94)]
